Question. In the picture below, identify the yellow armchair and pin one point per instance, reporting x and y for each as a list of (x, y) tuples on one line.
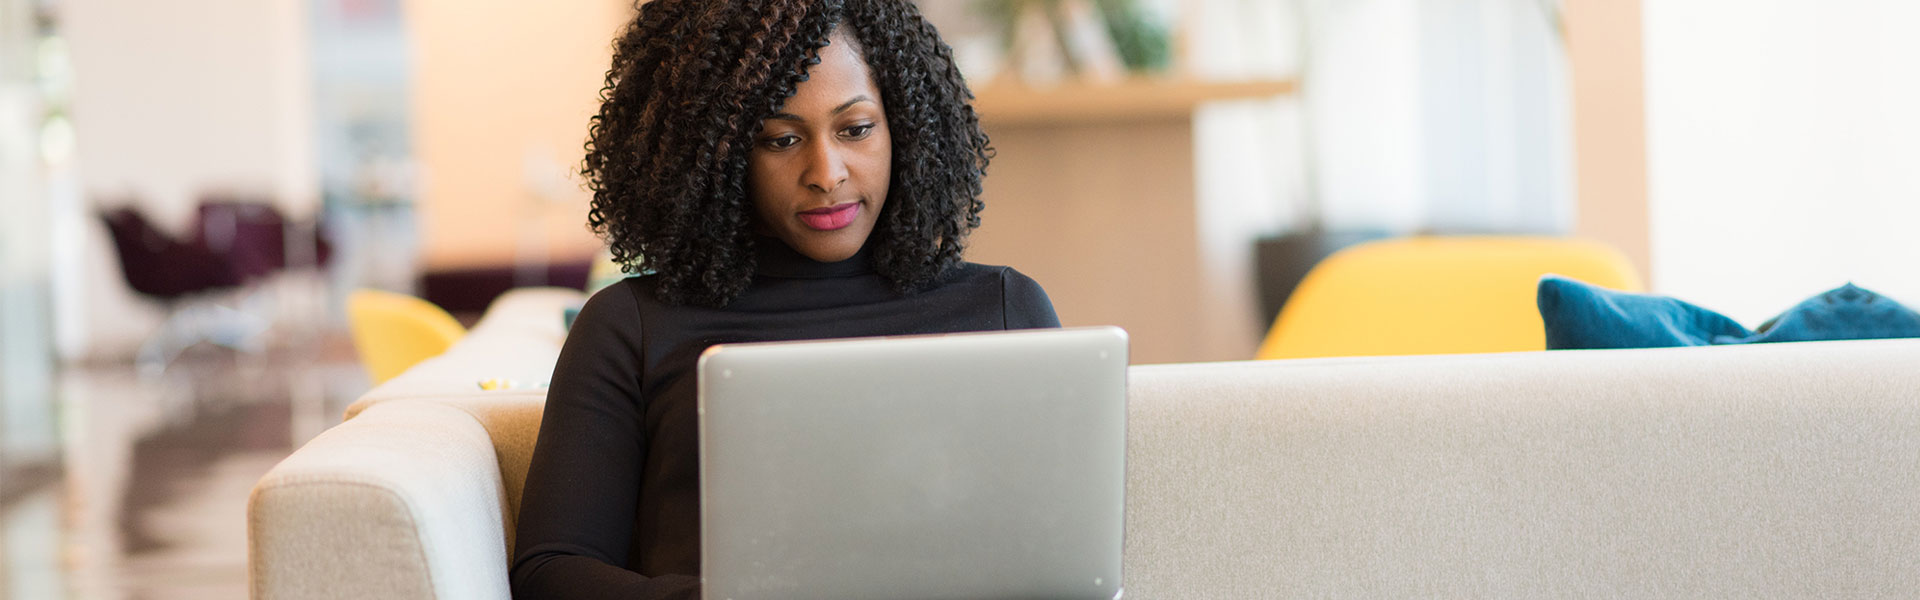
[(1435, 295), (393, 332)]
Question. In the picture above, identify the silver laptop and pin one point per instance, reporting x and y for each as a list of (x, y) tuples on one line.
[(974, 465)]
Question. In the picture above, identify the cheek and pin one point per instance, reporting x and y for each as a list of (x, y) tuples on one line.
[(760, 171), (877, 169)]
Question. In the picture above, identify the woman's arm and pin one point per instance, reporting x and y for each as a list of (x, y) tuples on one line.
[(577, 508)]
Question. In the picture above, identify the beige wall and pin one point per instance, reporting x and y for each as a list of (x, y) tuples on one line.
[(501, 87), (1610, 125)]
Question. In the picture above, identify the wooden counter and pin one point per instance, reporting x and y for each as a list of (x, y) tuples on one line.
[(1092, 193)]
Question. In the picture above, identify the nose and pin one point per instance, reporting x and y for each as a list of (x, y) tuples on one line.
[(826, 169)]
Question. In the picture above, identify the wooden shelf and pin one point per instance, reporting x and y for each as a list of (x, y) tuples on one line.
[(1137, 99)]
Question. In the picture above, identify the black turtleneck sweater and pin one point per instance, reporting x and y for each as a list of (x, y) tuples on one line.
[(611, 507)]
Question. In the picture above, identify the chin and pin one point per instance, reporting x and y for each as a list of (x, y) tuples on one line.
[(832, 246)]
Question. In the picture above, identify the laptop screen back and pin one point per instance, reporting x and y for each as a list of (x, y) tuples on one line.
[(984, 465)]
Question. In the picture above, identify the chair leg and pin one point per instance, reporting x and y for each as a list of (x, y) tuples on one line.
[(165, 344), (235, 329), (202, 319)]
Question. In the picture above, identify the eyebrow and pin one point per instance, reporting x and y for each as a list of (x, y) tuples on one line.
[(836, 110)]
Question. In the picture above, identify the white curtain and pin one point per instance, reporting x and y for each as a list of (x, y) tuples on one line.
[(1447, 115)]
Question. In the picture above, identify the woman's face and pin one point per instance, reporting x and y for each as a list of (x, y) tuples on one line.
[(819, 169)]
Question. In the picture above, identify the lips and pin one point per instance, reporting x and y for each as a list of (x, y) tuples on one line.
[(830, 218)]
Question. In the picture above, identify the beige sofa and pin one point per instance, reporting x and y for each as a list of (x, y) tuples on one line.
[(1786, 470)]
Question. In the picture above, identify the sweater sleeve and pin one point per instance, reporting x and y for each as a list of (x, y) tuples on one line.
[(1025, 303), (577, 508)]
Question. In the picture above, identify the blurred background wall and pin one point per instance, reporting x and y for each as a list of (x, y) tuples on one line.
[(439, 140), (503, 94), (1401, 116), (173, 98), (1783, 150), (172, 101)]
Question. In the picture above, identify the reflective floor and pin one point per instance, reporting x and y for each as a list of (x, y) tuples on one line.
[(147, 498)]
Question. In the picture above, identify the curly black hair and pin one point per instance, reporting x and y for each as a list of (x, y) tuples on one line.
[(691, 82)]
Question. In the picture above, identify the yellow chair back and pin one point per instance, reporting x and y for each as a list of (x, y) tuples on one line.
[(392, 332), (1435, 295)]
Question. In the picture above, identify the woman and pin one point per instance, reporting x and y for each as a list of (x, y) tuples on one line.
[(781, 170)]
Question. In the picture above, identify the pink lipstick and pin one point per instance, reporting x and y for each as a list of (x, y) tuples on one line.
[(831, 217)]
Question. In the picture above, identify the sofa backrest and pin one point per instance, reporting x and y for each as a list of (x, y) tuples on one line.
[(1756, 471), (1764, 470), (517, 341)]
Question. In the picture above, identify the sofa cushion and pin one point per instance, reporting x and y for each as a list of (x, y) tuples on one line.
[(1844, 313), (1584, 316)]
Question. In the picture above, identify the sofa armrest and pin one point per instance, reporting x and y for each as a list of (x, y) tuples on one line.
[(403, 501)]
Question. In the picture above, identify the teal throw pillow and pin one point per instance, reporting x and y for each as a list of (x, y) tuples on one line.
[(1584, 316)]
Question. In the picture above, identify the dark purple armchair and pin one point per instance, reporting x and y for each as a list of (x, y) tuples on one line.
[(232, 244), (159, 266), (254, 233)]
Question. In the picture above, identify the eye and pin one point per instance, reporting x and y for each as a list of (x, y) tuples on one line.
[(782, 142), (859, 131)]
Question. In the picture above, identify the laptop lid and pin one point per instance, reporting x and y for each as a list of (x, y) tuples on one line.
[(974, 465)]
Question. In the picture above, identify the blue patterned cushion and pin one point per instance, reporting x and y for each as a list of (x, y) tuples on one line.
[(1579, 316), (1845, 313)]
